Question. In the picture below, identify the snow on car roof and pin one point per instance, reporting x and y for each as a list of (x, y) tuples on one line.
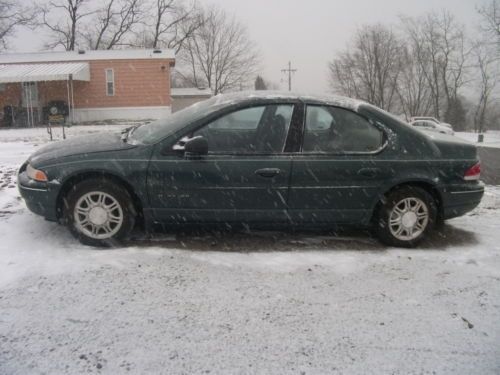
[(191, 91), (340, 101)]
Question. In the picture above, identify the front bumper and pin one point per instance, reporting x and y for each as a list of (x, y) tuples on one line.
[(462, 198), (40, 197)]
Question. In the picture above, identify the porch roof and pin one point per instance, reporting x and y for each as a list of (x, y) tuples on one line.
[(44, 72)]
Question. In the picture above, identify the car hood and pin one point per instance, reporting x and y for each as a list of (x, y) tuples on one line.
[(86, 144)]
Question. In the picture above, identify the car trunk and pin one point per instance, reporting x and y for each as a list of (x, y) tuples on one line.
[(454, 148)]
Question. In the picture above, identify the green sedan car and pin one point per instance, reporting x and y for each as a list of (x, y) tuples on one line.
[(257, 159)]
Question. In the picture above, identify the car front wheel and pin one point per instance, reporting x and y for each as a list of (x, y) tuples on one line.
[(405, 216), (99, 212)]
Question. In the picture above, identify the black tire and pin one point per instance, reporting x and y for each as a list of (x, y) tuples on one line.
[(387, 205), (112, 189)]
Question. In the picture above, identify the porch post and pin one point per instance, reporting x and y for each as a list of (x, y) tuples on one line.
[(26, 97), (69, 96), (72, 100), (69, 104)]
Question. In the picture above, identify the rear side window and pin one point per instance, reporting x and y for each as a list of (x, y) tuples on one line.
[(337, 130)]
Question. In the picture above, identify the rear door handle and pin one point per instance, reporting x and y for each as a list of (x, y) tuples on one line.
[(369, 172), (268, 172)]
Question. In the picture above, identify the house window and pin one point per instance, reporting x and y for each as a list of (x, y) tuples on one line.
[(110, 82)]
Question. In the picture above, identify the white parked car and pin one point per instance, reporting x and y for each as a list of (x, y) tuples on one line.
[(445, 124), (433, 119), (431, 126)]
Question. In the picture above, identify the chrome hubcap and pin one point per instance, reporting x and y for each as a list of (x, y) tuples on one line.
[(408, 219), (98, 215)]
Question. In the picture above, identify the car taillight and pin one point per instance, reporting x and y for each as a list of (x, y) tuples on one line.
[(473, 173)]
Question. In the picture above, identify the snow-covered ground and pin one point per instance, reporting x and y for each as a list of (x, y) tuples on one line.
[(250, 303), (491, 138)]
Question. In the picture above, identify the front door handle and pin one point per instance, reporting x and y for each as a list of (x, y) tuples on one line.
[(268, 172), (369, 172)]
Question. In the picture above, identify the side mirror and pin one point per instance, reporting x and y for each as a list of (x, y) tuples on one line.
[(197, 146)]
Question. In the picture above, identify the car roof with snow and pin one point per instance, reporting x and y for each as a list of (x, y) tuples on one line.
[(248, 96)]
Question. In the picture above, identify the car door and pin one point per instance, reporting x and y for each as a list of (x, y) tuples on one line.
[(244, 177), (433, 127), (340, 168)]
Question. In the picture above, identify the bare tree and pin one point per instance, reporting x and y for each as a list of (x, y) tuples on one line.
[(413, 90), (173, 23), (343, 76), (369, 69), (490, 23), (487, 69), (422, 35), (12, 16), (441, 51), (219, 54), (168, 24), (112, 24), (493, 116), (62, 18), (454, 69)]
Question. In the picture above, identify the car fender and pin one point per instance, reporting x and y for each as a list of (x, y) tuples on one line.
[(77, 175), (422, 181)]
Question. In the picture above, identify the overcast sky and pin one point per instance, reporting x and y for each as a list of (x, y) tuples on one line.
[(309, 32)]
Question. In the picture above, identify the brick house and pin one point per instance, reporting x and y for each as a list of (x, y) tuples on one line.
[(95, 85)]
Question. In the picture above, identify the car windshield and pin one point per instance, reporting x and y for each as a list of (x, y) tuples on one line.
[(157, 130)]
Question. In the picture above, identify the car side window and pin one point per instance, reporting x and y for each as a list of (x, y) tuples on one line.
[(261, 129), (318, 118), (246, 119), (337, 130)]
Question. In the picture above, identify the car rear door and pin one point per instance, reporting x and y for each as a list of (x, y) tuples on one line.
[(245, 176), (340, 169)]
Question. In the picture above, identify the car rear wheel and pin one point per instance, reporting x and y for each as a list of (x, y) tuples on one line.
[(405, 216), (99, 212)]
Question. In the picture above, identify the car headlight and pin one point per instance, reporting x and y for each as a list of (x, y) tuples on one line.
[(36, 174)]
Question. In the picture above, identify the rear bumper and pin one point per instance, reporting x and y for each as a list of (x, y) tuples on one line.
[(460, 199), (40, 197)]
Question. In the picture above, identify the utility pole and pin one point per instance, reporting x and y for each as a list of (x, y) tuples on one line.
[(289, 71)]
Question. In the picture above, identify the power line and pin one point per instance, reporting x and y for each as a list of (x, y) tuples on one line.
[(289, 71)]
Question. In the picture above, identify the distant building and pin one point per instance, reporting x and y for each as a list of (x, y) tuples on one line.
[(184, 97), (94, 85)]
